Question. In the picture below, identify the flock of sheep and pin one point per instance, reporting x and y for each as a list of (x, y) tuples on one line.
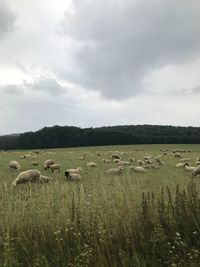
[(142, 165)]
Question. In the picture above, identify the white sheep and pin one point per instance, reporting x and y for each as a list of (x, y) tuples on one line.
[(115, 170), (34, 163), (44, 179), (31, 176), (189, 168), (47, 163), (91, 164), (73, 176), (77, 170), (131, 160), (185, 160), (54, 167), (116, 160), (196, 171), (123, 162), (197, 162), (151, 166), (115, 156), (141, 162), (137, 169), (106, 160), (181, 165), (15, 165)]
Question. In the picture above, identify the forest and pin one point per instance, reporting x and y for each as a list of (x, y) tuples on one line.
[(70, 136)]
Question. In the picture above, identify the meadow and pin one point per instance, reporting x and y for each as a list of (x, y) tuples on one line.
[(132, 219)]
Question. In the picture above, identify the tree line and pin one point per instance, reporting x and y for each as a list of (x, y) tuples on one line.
[(70, 136)]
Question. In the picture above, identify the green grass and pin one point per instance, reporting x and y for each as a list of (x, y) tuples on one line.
[(103, 220)]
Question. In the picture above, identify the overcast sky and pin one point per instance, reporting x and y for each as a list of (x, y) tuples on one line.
[(98, 62)]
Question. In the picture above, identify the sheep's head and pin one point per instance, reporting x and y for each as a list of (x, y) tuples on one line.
[(66, 174)]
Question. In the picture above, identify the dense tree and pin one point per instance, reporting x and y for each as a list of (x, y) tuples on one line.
[(68, 136)]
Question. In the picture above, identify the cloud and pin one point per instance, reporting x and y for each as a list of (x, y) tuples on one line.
[(7, 19), (118, 43), (47, 85)]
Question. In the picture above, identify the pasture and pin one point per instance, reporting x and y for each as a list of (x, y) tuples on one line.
[(103, 220)]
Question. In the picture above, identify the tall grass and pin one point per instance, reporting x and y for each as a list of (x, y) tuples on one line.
[(128, 220)]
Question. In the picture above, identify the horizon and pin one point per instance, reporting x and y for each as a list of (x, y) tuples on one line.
[(131, 61)]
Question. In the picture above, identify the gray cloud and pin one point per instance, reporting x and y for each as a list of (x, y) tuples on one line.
[(47, 85), (7, 19), (118, 43)]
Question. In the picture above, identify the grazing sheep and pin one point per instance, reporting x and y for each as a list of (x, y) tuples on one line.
[(189, 168), (107, 160), (151, 166), (77, 170), (131, 160), (34, 163), (72, 176), (54, 167), (181, 165), (91, 164), (123, 162), (197, 162), (116, 160), (44, 179), (185, 160), (141, 162), (22, 157), (137, 169), (47, 163), (15, 165), (177, 155), (196, 171), (115, 170), (82, 157), (160, 162), (115, 156), (31, 176)]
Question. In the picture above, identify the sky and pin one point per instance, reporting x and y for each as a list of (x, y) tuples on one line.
[(92, 63)]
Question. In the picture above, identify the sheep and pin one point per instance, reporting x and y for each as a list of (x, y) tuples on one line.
[(141, 162), (115, 156), (47, 163), (197, 162), (177, 155), (131, 160), (77, 170), (160, 162), (44, 179), (151, 166), (196, 171), (189, 168), (91, 164), (34, 163), (31, 176), (123, 162), (115, 170), (181, 165), (137, 169), (116, 160), (185, 160), (73, 176), (15, 165), (107, 160), (54, 167), (82, 157)]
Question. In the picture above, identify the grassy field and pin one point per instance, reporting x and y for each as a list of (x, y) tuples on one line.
[(133, 219)]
